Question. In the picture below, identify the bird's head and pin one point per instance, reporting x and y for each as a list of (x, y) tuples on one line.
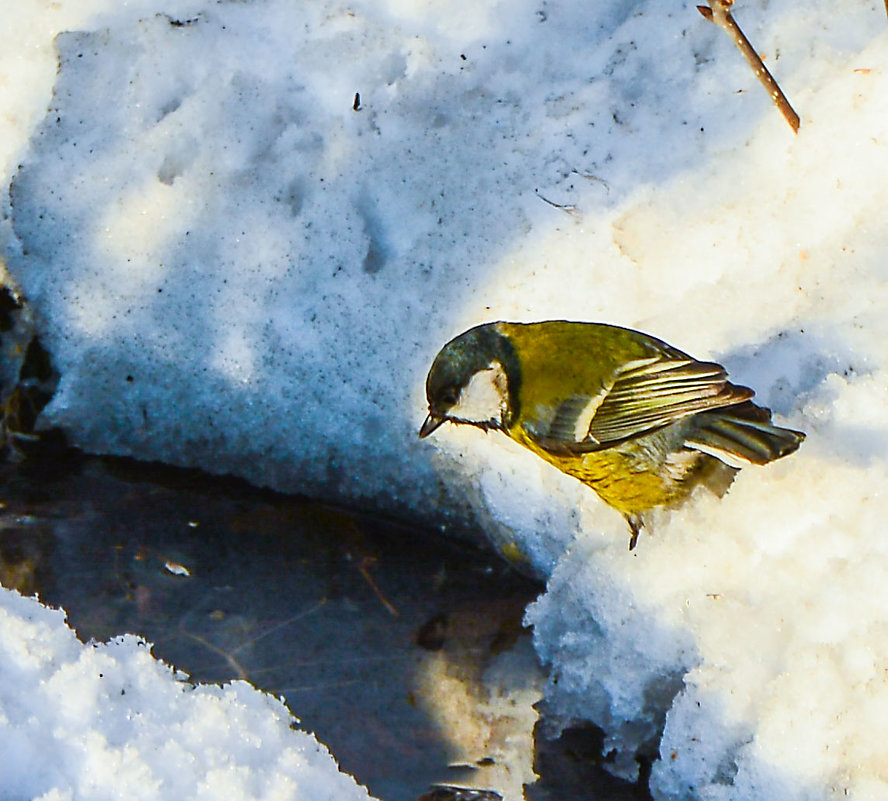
[(473, 380)]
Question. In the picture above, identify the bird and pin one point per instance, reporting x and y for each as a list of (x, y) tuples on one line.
[(637, 420)]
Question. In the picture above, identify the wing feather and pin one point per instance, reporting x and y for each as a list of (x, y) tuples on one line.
[(646, 394), (652, 396)]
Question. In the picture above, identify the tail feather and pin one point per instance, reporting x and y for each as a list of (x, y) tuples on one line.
[(743, 432)]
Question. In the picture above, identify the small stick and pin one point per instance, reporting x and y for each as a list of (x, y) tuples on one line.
[(568, 207), (229, 658), (362, 566), (719, 12)]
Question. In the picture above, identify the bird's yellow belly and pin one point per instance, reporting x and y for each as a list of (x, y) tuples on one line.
[(632, 479)]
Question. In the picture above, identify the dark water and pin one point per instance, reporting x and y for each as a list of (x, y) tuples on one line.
[(343, 615)]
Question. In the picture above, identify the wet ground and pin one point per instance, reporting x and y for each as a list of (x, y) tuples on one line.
[(401, 650)]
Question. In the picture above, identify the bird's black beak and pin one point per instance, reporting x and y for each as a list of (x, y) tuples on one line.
[(431, 423)]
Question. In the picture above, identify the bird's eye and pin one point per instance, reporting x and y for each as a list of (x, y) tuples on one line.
[(450, 397)]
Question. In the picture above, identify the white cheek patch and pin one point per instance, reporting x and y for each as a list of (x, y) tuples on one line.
[(483, 399)]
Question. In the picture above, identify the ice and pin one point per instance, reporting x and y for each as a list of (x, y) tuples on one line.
[(233, 268)]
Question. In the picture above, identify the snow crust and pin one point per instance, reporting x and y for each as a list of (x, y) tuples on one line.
[(108, 720), (235, 269)]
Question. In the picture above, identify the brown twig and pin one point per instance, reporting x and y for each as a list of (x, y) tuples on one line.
[(363, 566), (236, 666), (719, 12), (567, 207)]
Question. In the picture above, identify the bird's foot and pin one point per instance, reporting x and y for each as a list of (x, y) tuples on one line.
[(635, 526)]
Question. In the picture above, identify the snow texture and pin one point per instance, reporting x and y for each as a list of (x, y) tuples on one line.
[(238, 263), (103, 721)]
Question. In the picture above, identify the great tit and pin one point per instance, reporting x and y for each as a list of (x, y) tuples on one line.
[(640, 422)]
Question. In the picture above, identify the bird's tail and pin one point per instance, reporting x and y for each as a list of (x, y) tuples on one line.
[(742, 434)]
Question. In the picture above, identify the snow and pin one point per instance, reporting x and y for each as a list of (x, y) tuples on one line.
[(108, 720), (233, 268)]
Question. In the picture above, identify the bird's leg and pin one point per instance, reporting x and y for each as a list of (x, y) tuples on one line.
[(635, 526)]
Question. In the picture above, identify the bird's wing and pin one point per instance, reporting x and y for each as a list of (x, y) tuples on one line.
[(645, 395)]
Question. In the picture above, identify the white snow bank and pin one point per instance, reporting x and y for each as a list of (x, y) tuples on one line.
[(107, 720), (233, 268), (762, 614)]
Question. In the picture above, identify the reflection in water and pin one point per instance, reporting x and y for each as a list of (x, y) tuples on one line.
[(403, 651)]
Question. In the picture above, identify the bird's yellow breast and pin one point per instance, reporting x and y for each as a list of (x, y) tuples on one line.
[(632, 477)]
